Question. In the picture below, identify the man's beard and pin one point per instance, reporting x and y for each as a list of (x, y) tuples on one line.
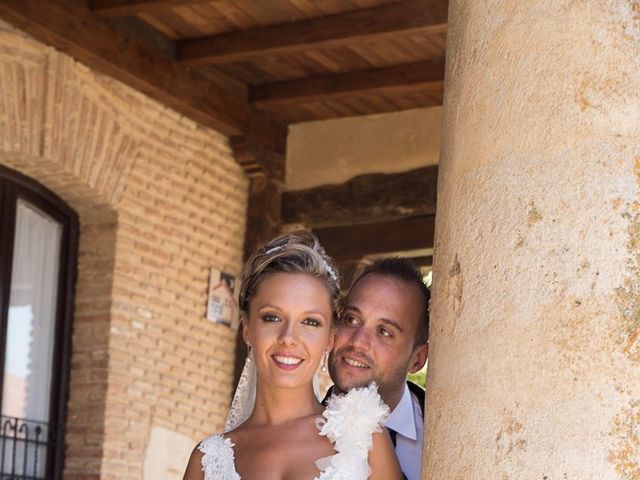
[(388, 384)]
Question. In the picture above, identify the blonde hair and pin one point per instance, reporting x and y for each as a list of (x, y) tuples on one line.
[(298, 252)]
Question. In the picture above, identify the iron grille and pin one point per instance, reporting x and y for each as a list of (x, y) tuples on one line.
[(27, 449)]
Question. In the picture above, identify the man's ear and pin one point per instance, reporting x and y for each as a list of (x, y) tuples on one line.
[(419, 358)]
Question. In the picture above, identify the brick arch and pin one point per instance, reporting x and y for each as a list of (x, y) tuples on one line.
[(40, 139), (34, 145)]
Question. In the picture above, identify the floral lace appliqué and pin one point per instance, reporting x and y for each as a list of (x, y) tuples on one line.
[(349, 422), (218, 462)]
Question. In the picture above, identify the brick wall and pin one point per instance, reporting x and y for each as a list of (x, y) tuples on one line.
[(160, 201)]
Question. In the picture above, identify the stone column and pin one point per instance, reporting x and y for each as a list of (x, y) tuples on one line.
[(534, 369)]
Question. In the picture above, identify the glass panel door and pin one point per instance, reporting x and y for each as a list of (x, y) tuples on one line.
[(29, 347)]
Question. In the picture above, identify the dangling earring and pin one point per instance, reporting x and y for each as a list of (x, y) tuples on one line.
[(323, 368), (248, 353)]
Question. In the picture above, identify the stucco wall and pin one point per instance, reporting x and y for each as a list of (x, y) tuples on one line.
[(160, 201), (333, 151)]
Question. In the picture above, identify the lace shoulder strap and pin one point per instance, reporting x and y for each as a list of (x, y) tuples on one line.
[(218, 459), (348, 422)]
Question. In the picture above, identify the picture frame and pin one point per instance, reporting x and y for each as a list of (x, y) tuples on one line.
[(222, 304)]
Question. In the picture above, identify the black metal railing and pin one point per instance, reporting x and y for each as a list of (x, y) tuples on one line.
[(27, 448)]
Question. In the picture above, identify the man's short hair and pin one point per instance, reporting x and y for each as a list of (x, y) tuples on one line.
[(405, 270)]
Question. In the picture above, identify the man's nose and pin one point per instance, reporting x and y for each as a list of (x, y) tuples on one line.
[(360, 339)]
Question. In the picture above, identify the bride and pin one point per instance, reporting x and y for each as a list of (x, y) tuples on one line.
[(277, 429)]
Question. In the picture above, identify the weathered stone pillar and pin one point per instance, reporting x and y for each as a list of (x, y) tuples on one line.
[(534, 369)]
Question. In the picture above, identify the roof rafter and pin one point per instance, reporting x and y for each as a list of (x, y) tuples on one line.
[(392, 80), (354, 242), (369, 198), (408, 16)]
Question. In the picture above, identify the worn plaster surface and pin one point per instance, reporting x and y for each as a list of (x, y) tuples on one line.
[(333, 151), (534, 369)]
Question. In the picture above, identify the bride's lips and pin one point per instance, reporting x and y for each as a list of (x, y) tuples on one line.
[(287, 362)]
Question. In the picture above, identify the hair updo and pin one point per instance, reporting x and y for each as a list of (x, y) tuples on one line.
[(298, 252)]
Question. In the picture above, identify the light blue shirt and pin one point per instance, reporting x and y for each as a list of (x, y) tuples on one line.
[(406, 419)]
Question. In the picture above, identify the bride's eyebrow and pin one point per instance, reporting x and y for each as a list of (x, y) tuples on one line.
[(269, 306), (313, 312)]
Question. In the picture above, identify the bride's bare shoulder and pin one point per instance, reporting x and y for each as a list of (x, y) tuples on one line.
[(194, 467)]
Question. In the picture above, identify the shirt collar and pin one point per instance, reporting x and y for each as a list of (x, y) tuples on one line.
[(401, 419)]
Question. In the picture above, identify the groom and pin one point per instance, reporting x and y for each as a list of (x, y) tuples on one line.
[(382, 336)]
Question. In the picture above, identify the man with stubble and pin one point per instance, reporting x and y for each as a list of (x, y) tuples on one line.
[(382, 336)]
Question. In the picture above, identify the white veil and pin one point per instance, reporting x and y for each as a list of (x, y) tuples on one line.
[(244, 398)]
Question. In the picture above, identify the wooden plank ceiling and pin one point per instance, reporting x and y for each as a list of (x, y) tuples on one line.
[(305, 60), (255, 66)]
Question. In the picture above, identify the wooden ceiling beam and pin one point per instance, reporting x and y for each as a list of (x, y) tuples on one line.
[(72, 29), (126, 8), (352, 243), (258, 161), (425, 16), (394, 80), (364, 199)]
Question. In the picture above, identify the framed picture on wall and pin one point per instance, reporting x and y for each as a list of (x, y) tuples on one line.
[(222, 305)]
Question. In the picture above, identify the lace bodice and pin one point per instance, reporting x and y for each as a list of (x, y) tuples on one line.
[(348, 422)]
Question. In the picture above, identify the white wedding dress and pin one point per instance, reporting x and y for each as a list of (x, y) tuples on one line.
[(348, 422)]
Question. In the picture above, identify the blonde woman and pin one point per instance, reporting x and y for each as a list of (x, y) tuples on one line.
[(276, 428)]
